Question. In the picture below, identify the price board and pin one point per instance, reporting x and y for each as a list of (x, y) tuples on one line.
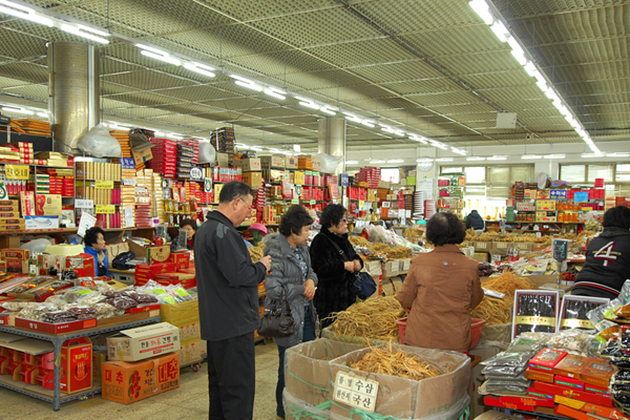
[(104, 185), (105, 209), (83, 204), (355, 391), (127, 163), (17, 171)]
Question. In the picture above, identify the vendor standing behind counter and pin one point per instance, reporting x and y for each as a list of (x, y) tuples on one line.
[(94, 241), (607, 264), (441, 289)]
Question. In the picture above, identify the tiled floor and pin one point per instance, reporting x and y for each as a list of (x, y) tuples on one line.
[(189, 401)]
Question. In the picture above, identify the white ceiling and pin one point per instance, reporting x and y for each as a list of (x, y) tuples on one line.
[(431, 67)]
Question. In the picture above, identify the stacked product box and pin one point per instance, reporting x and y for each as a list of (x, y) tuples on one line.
[(185, 157), (185, 316), (164, 157), (223, 141)]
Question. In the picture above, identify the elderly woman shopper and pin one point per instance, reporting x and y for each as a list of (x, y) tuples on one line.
[(441, 289), (291, 272), (607, 265), (335, 263)]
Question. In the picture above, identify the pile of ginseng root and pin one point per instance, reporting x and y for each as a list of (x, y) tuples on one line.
[(405, 365), (374, 318), (499, 311)]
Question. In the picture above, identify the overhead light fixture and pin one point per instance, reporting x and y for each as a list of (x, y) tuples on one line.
[(18, 110), (287, 152), (275, 93), (531, 157), (307, 103), (375, 161), (327, 110), (395, 160), (386, 128), (419, 139), (530, 68), (424, 160), (24, 12), (43, 114), (445, 159), (249, 84), (475, 159), (352, 162), (618, 154), (500, 31), (399, 132), (458, 151), (438, 144), (176, 136), (368, 123), (158, 133), (200, 68), (256, 149), (85, 32), (552, 156), (495, 157), (482, 9), (352, 117), (166, 58), (592, 155)]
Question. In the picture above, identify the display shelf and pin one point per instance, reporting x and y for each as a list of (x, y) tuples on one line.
[(41, 393), (58, 341)]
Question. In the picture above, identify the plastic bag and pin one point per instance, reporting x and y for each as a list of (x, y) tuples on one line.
[(99, 143), (329, 163), (207, 153)]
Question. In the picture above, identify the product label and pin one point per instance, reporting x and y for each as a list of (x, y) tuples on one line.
[(83, 204), (17, 171), (535, 320), (104, 185), (127, 163), (355, 391), (105, 209), (577, 323)]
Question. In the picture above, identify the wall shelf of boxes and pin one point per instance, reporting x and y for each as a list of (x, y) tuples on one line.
[(451, 191)]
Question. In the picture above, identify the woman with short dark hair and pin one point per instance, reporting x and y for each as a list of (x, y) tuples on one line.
[(94, 241), (607, 265), (335, 270), (440, 290), (291, 272)]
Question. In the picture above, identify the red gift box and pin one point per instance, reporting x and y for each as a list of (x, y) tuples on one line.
[(573, 394), (547, 359)]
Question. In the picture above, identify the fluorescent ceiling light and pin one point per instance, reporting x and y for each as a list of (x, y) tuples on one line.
[(497, 158), (418, 138), (152, 49), (618, 154), (386, 128), (278, 94), (307, 103), (531, 69), (24, 12), (42, 114), (352, 162), (475, 159), (424, 160), (18, 110), (552, 156), (76, 30), (352, 117), (166, 58), (592, 155), (158, 133), (459, 151), (517, 51), (287, 152), (327, 110), (376, 161), (399, 132), (500, 31), (445, 159), (199, 68), (530, 157), (481, 8), (395, 160), (92, 30), (439, 145), (368, 123), (250, 84)]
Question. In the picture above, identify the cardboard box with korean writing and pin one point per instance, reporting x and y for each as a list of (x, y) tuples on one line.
[(76, 365), (404, 398), (128, 382), (143, 342)]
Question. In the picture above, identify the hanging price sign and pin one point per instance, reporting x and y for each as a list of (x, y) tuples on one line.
[(3, 192), (17, 171), (207, 185), (104, 185), (83, 204), (105, 209)]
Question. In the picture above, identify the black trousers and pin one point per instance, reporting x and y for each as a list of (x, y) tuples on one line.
[(232, 378)]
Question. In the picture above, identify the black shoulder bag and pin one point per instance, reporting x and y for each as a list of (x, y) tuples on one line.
[(364, 284), (277, 320)]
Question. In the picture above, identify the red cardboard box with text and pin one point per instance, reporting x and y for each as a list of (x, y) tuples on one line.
[(128, 382), (76, 365)]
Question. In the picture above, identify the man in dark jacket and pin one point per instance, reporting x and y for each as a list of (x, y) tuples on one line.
[(475, 221), (607, 265), (227, 283)]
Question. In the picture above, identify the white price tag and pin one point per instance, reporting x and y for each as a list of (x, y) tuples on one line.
[(141, 190), (83, 204), (355, 391), (387, 204), (129, 181)]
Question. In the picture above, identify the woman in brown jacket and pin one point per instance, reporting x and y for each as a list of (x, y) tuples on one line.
[(441, 289)]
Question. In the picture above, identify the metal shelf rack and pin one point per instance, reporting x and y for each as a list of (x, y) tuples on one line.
[(57, 341)]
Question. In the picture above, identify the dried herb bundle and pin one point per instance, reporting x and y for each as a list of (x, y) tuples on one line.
[(373, 318), (401, 364)]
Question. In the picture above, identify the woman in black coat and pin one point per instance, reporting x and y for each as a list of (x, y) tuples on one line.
[(336, 272)]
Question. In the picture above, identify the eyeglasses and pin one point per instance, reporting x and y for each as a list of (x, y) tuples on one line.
[(248, 205)]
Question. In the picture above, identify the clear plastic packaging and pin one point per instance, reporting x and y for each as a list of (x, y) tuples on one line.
[(575, 341)]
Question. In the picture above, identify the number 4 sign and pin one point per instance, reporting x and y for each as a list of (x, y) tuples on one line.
[(355, 391)]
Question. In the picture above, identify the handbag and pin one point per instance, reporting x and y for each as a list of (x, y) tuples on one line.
[(277, 320), (364, 284)]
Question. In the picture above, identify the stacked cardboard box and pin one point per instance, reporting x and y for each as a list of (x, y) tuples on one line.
[(185, 316), (123, 139), (164, 157), (223, 141)]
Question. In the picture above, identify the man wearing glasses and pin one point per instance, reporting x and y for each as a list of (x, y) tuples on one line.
[(227, 283)]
